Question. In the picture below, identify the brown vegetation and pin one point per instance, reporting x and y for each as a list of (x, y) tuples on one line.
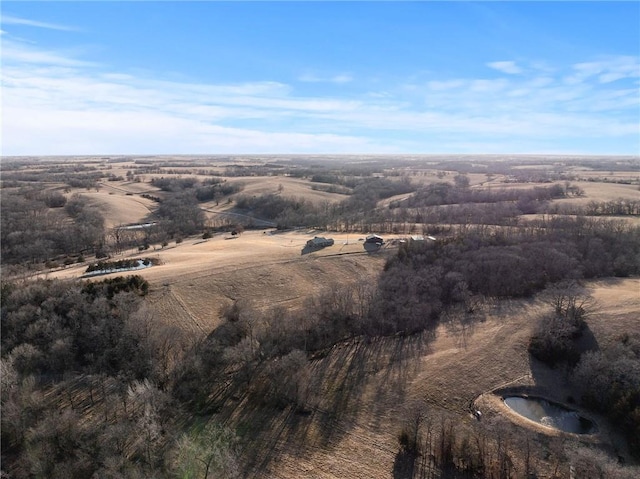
[(246, 358)]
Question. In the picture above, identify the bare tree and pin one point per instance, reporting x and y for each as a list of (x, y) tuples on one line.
[(569, 300), (207, 451)]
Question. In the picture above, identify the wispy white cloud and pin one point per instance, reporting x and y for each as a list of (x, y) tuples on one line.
[(76, 107), (151, 132), (313, 78), (606, 70), (11, 20), (445, 84), (20, 52), (508, 67), (488, 86)]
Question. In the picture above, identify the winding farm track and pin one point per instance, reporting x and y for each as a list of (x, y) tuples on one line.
[(124, 190)]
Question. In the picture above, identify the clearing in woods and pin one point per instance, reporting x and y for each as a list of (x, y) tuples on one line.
[(197, 278)]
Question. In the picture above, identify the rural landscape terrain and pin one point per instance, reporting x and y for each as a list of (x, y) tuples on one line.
[(320, 316)]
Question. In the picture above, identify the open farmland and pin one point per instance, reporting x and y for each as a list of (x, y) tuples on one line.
[(196, 279), (287, 186), (317, 362), (118, 208), (593, 190)]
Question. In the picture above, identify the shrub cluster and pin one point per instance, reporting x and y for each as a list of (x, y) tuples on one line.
[(609, 381), (555, 340), (112, 286)]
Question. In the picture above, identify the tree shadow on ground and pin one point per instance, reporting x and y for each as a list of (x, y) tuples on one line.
[(372, 247), (553, 381), (310, 249), (404, 464), (344, 381), (587, 341)]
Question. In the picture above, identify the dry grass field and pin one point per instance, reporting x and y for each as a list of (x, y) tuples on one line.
[(118, 208), (121, 202), (595, 191), (368, 388), (363, 389), (293, 187), (198, 278)]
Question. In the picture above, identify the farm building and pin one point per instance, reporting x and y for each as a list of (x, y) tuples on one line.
[(374, 239), (319, 242)]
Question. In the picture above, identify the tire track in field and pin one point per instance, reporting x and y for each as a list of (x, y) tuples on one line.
[(213, 271), (135, 200), (183, 305)]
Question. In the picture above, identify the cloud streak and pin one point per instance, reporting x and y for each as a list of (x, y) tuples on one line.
[(15, 52), (605, 70), (76, 107), (507, 67), (311, 78), (11, 20)]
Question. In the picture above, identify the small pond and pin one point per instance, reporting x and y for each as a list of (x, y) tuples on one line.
[(139, 264), (550, 414)]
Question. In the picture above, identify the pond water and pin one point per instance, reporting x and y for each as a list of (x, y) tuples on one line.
[(139, 226), (98, 272), (550, 414)]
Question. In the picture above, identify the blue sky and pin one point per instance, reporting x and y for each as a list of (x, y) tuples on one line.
[(83, 78)]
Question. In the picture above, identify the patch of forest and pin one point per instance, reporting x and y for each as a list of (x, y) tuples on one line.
[(361, 205), (37, 227), (85, 387)]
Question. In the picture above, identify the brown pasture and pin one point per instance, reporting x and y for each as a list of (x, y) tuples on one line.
[(196, 279), (593, 190), (120, 201), (119, 208), (364, 388), (286, 186)]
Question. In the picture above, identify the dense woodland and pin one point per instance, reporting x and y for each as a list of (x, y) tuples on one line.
[(92, 388)]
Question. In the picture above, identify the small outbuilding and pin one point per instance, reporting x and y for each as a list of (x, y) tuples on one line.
[(374, 239), (319, 242)]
